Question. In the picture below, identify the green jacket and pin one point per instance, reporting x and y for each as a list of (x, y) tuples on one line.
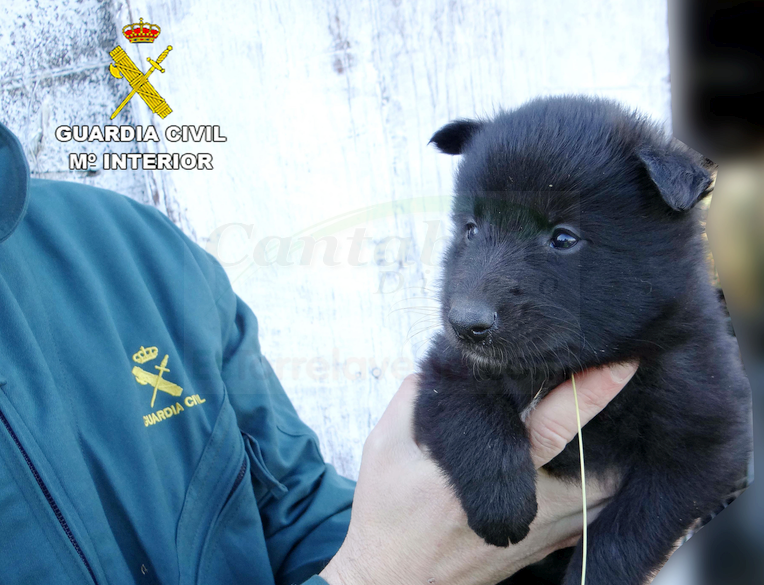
[(143, 436)]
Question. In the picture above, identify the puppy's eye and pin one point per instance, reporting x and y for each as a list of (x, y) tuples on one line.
[(563, 239), (471, 230)]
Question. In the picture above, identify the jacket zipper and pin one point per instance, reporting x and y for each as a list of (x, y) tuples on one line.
[(48, 496), (239, 479)]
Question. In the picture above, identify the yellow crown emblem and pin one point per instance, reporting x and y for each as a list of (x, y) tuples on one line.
[(141, 32), (145, 354)]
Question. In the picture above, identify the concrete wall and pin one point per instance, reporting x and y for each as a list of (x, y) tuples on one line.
[(327, 106)]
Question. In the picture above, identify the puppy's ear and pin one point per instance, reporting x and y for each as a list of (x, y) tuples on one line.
[(682, 176), (454, 136), (711, 167)]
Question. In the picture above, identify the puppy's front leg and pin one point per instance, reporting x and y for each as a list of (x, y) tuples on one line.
[(476, 436)]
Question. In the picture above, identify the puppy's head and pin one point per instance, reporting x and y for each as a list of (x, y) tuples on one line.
[(574, 238)]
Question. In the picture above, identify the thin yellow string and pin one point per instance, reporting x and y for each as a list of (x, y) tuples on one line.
[(583, 477)]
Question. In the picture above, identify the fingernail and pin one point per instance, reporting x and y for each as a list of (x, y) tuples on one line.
[(621, 372)]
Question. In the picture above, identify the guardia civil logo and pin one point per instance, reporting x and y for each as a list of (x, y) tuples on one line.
[(123, 67), (144, 355), (157, 382), (140, 83)]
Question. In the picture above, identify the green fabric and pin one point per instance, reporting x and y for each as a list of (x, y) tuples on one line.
[(14, 177), (87, 279)]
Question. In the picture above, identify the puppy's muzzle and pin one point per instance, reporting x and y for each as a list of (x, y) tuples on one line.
[(471, 320)]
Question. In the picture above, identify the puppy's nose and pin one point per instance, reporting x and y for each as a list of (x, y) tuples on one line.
[(471, 320)]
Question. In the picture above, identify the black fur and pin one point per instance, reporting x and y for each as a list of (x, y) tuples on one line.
[(635, 286)]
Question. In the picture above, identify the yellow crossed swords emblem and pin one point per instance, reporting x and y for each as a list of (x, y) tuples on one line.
[(123, 66), (145, 378)]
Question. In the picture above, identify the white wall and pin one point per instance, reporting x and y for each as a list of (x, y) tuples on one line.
[(328, 107)]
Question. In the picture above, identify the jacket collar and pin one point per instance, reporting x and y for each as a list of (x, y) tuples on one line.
[(14, 183)]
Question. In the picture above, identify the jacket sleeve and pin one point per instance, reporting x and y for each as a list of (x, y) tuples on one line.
[(304, 504)]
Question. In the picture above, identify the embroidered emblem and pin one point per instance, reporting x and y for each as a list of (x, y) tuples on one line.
[(123, 66), (158, 382), (148, 379)]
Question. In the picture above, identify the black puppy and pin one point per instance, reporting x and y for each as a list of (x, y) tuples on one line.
[(577, 244)]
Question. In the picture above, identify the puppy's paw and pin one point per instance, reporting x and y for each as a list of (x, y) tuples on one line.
[(501, 514)]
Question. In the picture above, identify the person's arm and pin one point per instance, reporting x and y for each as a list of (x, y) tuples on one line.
[(407, 525), (306, 511)]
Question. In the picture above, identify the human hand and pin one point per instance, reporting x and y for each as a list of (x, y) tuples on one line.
[(407, 525)]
